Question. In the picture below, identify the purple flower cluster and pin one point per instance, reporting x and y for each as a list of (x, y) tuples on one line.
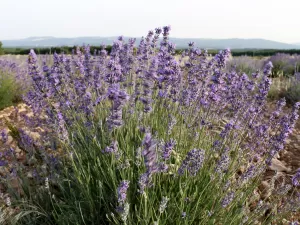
[(227, 199), (168, 148), (122, 191), (150, 160), (112, 149), (118, 99), (4, 136), (193, 162), (296, 178), (285, 63)]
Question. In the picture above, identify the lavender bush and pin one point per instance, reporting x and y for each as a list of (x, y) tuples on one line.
[(285, 64), (245, 64), (148, 139), (12, 85)]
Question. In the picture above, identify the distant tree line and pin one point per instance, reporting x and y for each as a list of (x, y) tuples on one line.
[(49, 50), (68, 50)]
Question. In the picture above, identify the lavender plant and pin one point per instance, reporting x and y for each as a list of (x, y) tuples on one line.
[(245, 64), (148, 139), (12, 83), (285, 64)]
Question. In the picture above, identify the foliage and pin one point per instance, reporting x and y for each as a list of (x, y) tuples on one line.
[(1, 49), (245, 64), (48, 50), (284, 64), (148, 139), (235, 52), (10, 86), (292, 93)]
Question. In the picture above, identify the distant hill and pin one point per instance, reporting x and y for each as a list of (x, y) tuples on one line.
[(234, 43)]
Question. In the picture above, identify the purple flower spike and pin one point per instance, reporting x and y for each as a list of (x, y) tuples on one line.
[(168, 148), (268, 68), (122, 191), (227, 199), (296, 178), (118, 98), (4, 136), (149, 153), (193, 162)]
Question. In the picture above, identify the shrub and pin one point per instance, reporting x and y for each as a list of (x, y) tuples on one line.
[(7, 90), (245, 64), (145, 140), (285, 64), (292, 93), (10, 87), (1, 49)]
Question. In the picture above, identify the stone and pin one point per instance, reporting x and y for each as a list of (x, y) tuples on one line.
[(30, 114), (29, 174), (9, 140), (35, 135), (265, 189), (288, 141), (278, 166), (18, 150), (3, 170), (277, 156)]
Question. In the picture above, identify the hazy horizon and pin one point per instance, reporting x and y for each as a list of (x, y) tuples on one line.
[(270, 20)]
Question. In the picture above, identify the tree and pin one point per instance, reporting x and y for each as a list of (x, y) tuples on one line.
[(1, 49)]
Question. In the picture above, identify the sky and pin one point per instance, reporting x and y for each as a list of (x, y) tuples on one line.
[(277, 20)]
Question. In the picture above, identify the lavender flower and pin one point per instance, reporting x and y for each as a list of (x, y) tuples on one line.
[(296, 178), (122, 191), (168, 148), (150, 160), (163, 204), (112, 149), (149, 153), (223, 163), (4, 136), (228, 127), (143, 182), (268, 68), (118, 98), (227, 199), (250, 173), (193, 162)]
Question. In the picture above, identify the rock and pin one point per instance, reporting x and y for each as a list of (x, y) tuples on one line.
[(265, 189), (22, 109), (278, 166), (19, 156), (3, 171), (35, 135), (9, 140), (18, 150), (30, 114), (296, 146), (29, 174), (277, 156)]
